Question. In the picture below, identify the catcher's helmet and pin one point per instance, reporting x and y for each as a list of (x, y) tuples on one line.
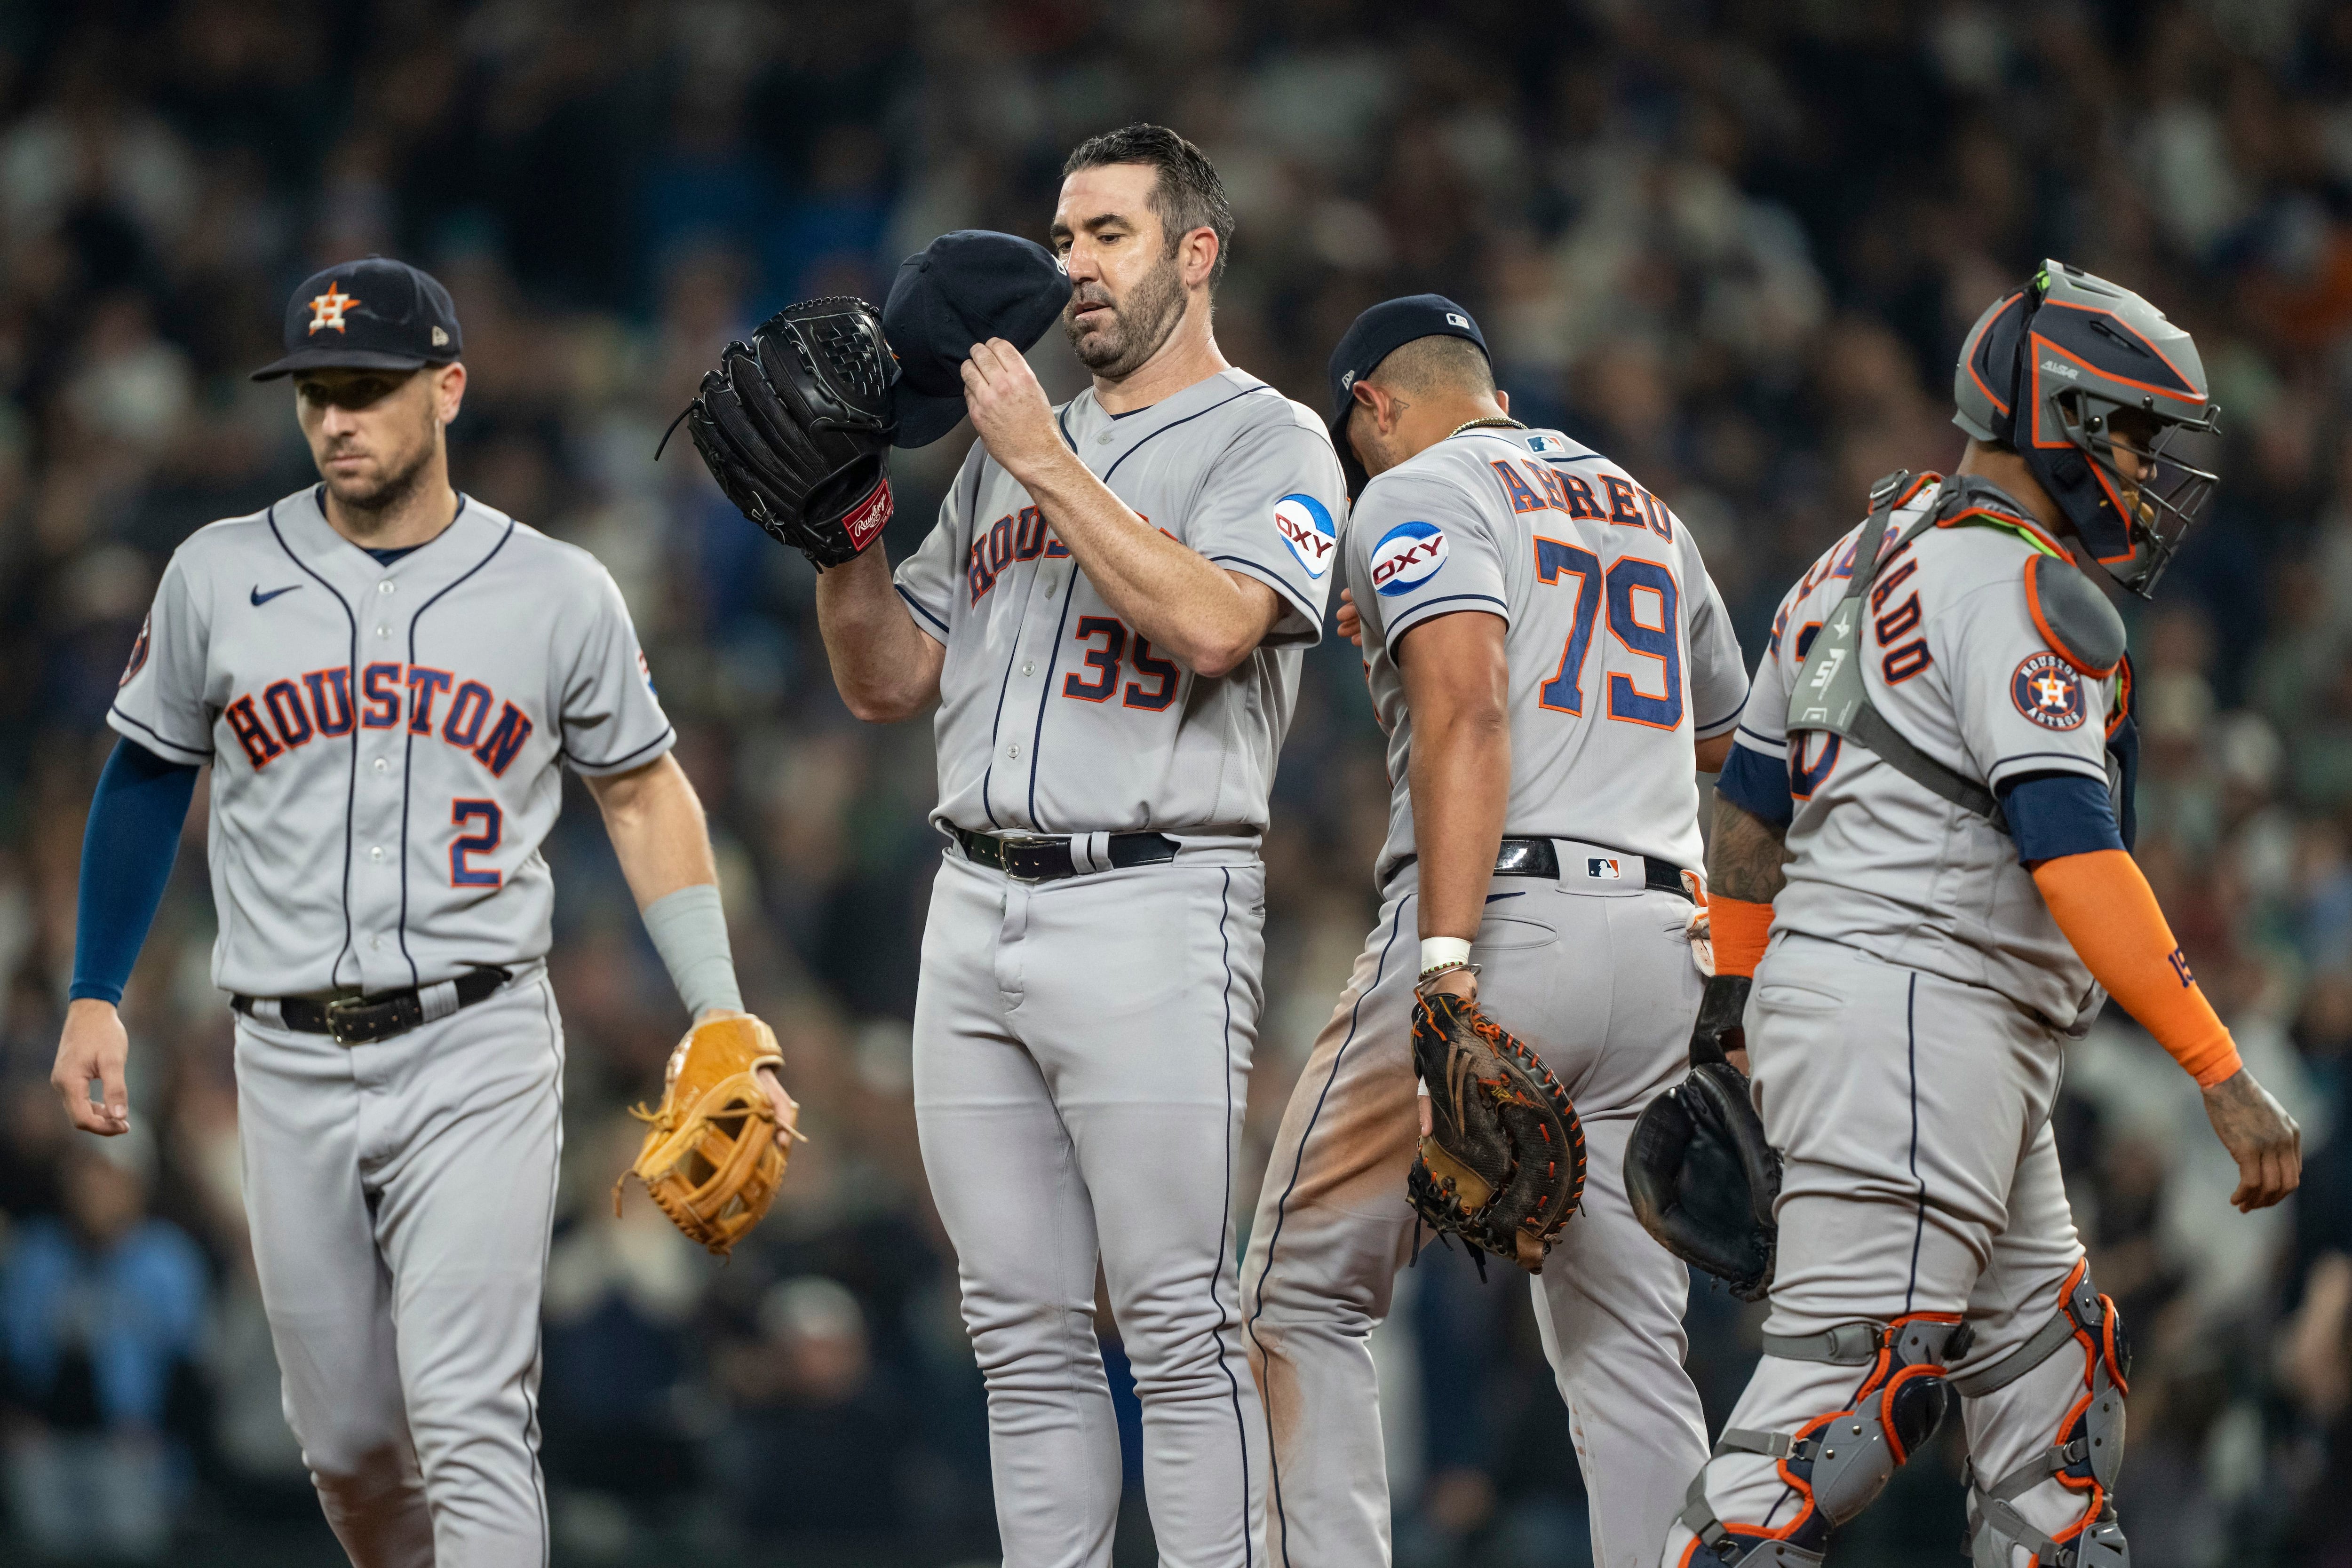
[(2045, 371)]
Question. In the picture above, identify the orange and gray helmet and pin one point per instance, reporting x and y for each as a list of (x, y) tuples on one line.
[(2046, 370)]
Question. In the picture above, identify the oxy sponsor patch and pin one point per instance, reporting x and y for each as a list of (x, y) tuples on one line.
[(1305, 525), (1407, 556), (2046, 691)]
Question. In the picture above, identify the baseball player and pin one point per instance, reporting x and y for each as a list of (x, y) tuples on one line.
[(1553, 666), (1938, 745), (1109, 614), (387, 677)]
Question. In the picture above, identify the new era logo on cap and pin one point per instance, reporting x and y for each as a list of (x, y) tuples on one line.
[(1455, 319)]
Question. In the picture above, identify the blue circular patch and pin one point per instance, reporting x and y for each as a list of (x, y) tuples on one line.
[(1305, 525), (1407, 556), (2046, 690)]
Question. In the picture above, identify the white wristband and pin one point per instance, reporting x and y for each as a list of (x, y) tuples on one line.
[(1443, 952)]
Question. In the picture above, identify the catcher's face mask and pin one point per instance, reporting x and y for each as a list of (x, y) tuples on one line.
[(2144, 474)]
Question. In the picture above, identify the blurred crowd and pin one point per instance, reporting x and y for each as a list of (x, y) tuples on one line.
[(1733, 244)]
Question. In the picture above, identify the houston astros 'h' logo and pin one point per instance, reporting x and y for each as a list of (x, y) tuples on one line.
[(327, 309), (2046, 691)]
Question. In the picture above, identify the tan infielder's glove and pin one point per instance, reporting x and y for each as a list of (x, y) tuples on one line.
[(711, 1158)]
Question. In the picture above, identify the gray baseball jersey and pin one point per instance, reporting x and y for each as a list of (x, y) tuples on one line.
[(1055, 716), (384, 738), (1082, 1047), (1953, 660), (1622, 654), (1620, 657)]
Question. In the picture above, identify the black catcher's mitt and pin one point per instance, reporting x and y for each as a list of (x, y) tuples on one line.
[(795, 425), (1503, 1165), (1701, 1177)]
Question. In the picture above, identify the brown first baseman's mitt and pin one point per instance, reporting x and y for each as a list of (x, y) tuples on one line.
[(1503, 1163), (711, 1158)]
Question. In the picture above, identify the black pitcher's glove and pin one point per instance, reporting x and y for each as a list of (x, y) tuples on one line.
[(1503, 1163), (795, 425), (1701, 1177)]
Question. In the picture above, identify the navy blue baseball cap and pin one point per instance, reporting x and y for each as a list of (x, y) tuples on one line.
[(375, 314), (962, 288), (1381, 331)]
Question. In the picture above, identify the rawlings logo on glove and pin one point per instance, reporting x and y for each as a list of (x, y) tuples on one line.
[(797, 425)]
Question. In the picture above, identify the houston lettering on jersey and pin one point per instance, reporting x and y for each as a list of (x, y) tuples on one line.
[(1015, 536), (289, 713)]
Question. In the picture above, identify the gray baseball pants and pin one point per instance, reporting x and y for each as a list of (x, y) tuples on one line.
[(1922, 1176), (400, 1197), (1596, 976), (1082, 1053)]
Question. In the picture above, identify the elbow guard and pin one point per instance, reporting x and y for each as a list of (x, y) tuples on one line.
[(2107, 911)]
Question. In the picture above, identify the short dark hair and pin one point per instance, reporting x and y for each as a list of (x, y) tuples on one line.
[(1437, 362), (1188, 196)]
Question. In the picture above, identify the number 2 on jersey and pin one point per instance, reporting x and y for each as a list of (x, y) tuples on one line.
[(1628, 588)]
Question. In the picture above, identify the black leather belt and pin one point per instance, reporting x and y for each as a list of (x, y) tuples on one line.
[(363, 1021), (1540, 857), (1038, 857)]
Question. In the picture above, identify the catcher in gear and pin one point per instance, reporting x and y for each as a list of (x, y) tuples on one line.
[(1927, 816), (1533, 967)]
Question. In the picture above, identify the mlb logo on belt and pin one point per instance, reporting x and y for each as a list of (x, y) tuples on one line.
[(1603, 868)]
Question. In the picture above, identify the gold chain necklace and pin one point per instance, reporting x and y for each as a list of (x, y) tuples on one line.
[(1495, 419)]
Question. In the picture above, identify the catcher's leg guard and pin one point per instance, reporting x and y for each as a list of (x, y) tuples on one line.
[(2084, 1457), (1838, 1463)]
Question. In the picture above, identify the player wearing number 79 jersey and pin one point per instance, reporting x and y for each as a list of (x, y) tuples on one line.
[(1552, 664)]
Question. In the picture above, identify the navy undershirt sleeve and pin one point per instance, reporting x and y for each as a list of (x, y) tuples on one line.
[(126, 858), (1757, 785), (2053, 815)]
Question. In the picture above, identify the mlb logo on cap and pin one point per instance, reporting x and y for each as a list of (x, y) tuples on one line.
[(1603, 868)]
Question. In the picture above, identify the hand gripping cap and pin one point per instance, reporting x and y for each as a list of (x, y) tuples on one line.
[(2045, 370), (710, 1159)]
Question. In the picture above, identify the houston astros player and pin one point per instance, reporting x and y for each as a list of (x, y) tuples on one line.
[(1939, 733), (387, 677), (1552, 664), (1109, 614)]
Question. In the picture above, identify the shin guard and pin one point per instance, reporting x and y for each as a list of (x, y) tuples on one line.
[(2084, 1457), (1838, 1463)]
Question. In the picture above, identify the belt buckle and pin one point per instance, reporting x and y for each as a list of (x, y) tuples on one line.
[(1010, 843), (337, 1009)]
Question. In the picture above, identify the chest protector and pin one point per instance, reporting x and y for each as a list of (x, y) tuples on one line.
[(1829, 693)]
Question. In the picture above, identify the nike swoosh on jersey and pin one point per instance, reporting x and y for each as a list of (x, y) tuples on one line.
[(260, 598)]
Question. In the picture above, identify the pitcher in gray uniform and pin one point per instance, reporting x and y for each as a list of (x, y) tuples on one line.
[(387, 678), (1109, 614), (1940, 747), (1553, 666)]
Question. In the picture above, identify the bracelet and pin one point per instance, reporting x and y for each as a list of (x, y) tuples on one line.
[(1466, 967), (1443, 955)]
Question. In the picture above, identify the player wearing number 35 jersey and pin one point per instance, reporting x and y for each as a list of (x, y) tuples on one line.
[(1109, 614), (1551, 664)]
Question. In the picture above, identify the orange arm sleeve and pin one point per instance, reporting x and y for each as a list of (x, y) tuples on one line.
[(1739, 929), (2109, 912)]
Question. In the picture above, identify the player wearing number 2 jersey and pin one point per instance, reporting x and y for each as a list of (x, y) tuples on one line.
[(1552, 665), (387, 679)]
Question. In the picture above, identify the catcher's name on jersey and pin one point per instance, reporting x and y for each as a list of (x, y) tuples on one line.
[(1055, 716), (1952, 657), (1620, 652), (386, 739)]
